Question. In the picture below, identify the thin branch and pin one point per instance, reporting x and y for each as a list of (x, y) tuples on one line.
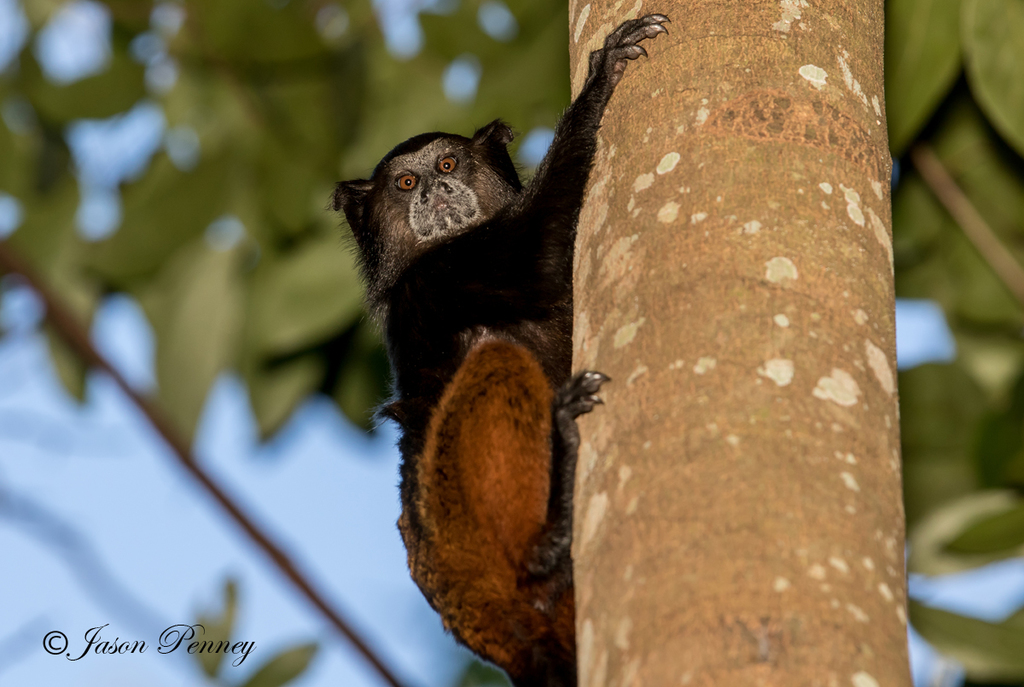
[(74, 334), (970, 220)]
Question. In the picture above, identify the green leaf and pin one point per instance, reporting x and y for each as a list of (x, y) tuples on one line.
[(217, 107), (81, 296), (256, 32), (917, 222), (286, 124), (195, 307), (40, 11), (1013, 471), (302, 114), (993, 39), (953, 273), (994, 359), (110, 92), (922, 60), (303, 297), (47, 240), (48, 228), (988, 651), (405, 99), (406, 96), (987, 170), (130, 16), (1002, 532), (934, 259), (219, 627), (940, 406), (479, 674), (283, 668), (15, 158), (1000, 439), (362, 383), (285, 182), (930, 538), (529, 90), (163, 211), (998, 452), (68, 365), (276, 390)]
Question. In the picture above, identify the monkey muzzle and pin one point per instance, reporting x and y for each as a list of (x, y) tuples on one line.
[(443, 208)]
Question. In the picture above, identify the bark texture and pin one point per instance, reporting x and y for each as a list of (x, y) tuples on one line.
[(738, 507)]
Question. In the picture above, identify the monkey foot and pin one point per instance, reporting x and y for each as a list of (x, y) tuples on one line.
[(579, 395)]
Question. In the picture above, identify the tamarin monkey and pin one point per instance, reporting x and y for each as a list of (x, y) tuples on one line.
[(470, 275)]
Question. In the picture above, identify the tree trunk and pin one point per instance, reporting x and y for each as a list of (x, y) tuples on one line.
[(739, 515)]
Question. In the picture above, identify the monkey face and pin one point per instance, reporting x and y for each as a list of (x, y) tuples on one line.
[(436, 184), (427, 190)]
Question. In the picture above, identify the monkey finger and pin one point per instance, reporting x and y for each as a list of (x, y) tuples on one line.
[(651, 31), (631, 52), (636, 30)]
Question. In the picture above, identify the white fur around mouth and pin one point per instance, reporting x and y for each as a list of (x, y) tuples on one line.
[(442, 215)]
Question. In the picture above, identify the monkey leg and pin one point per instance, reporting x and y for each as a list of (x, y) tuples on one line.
[(483, 498), (577, 397)]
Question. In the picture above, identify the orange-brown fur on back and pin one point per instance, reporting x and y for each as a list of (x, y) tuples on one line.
[(484, 477)]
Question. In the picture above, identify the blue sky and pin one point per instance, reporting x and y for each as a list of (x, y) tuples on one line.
[(87, 489), (98, 525)]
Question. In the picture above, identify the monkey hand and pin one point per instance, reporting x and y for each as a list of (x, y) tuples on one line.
[(622, 45)]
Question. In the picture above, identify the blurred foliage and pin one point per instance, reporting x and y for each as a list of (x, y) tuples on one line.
[(479, 674), (955, 81), (988, 651), (218, 631), (285, 98)]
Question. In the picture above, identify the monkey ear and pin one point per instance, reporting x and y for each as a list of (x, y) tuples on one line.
[(349, 197), (495, 133), (348, 193)]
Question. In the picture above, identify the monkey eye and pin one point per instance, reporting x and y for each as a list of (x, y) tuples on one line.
[(407, 182), (447, 165)]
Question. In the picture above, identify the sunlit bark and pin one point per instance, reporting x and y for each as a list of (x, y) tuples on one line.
[(738, 506)]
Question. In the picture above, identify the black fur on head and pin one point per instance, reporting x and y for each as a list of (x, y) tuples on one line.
[(386, 231)]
